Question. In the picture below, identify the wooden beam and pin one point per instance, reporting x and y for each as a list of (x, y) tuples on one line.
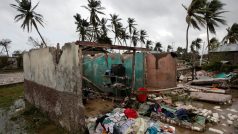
[(108, 46), (133, 71)]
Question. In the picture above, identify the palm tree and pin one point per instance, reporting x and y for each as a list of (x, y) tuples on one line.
[(196, 45), (82, 27), (194, 16), (232, 35), (214, 43), (104, 28), (148, 44), (103, 38), (169, 48), (5, 44), (180, 51), (135, 37), (124, 35), (212, 16), (28, 15), (95, 8), (116, 25), (143, 35), (35, 43), (158, 47), (131, 25)]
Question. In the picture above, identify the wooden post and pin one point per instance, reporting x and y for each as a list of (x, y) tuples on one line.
[(133, 71)]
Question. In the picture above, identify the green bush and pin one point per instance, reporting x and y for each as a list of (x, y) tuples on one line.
[(215, 66)]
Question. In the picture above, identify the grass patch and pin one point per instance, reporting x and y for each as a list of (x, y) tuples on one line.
[(8, 94)]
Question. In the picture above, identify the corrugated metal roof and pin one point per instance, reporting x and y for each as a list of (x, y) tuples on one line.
[(226, 48)]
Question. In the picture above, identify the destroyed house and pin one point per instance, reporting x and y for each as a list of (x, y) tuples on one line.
[(226, 52), (54, 77)]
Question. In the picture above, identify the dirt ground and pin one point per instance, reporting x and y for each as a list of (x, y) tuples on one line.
[(94, 107)]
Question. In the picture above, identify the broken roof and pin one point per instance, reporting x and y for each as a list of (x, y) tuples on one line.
[(107, 46), (226, 48)]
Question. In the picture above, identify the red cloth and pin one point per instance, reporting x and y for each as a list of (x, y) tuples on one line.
[(130, 113), (142, 97)]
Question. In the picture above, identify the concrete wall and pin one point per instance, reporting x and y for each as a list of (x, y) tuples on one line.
[(160, 71), (225, 56), (55, 86), (94, 68)]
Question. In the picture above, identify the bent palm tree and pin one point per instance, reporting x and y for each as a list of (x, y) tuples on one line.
[(104, 28), (124, 35), (95, 8), (196, 45), (212, 16), (169, 48), (28, 15), (131, 25), (158, 47), (116, 25), (232, 35), (194, 16), (134, 37), (82, 27), (214, 43), (148, 44), (143, 35)]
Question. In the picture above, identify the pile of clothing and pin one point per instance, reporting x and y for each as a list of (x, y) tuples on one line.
[(126, 121)]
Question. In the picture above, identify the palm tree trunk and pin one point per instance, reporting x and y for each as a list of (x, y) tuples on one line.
[(187, 39), (208, 44), (39, 33), (7, 51)]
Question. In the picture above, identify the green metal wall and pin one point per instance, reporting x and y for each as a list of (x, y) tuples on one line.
[(95, 67)]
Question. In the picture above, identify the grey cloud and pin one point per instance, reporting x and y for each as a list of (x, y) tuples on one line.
[(163, 19)]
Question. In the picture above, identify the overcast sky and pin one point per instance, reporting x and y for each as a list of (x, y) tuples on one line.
[(164, 20)]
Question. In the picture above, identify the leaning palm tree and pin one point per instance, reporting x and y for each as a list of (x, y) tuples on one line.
[(131, 25), (194, 16), (148, 44), (95, 8), (5, 44), (232, 35), (214, 43), (124, 35), (115, 25), (28, 15), (169, 48), (195, 46), (104, 28), (213, 17), (82, 27), (135, 37), (158, 47), (143, 35)]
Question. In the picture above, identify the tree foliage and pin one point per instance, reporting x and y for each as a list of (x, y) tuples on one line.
[(232, 34), (28, 16), (5, 43)]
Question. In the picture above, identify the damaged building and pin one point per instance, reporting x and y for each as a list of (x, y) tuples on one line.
[(54, 78)]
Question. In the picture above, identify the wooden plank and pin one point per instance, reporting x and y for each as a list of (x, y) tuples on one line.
[(90, 82), (108, 46), (133, 70)]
